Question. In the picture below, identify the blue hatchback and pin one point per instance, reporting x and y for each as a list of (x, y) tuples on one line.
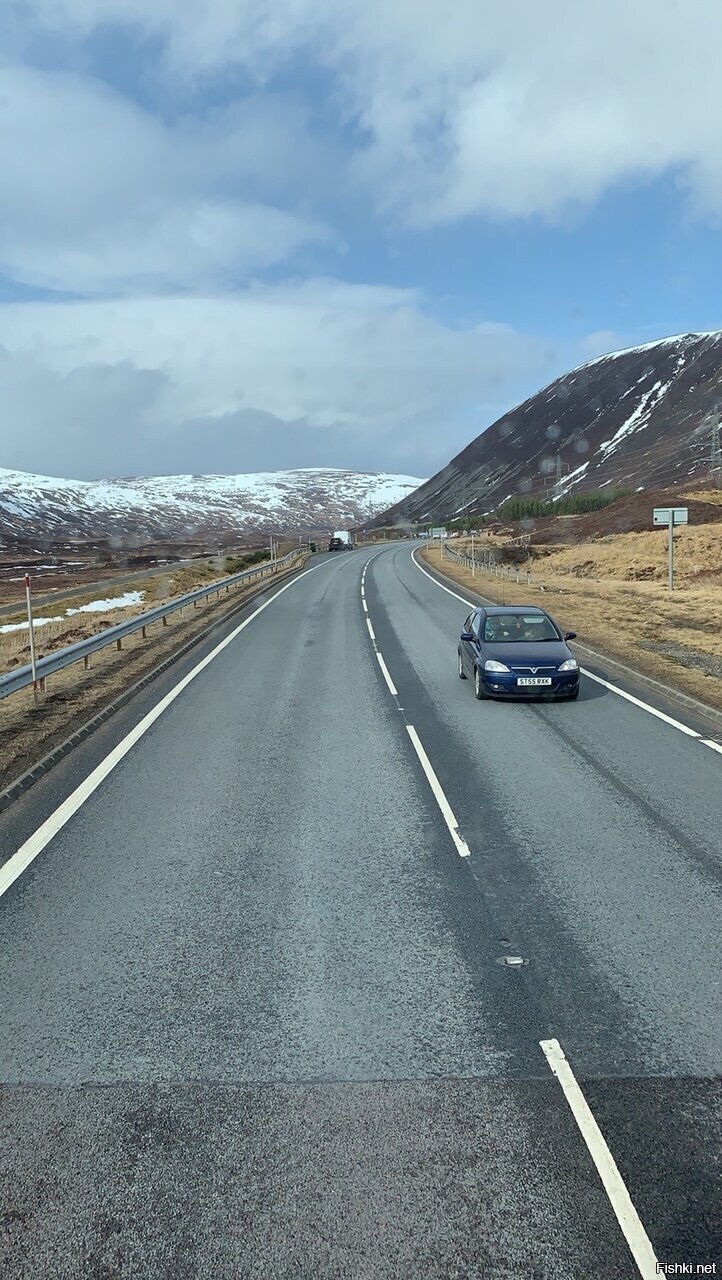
[(517, 652)]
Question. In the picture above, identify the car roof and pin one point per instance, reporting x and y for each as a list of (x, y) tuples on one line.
[(512, 610)]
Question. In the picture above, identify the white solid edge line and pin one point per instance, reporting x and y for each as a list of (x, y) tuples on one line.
[(612, 1180), (34, 845), (462, 847), (371, 630), (707, 742), (387, 677), (637, 702), (613, 688)]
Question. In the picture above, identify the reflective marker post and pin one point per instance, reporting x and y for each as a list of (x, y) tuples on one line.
[(670, 516), (31, 633)]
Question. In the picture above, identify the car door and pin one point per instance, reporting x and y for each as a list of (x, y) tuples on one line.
[(474, 647), (465, 645)]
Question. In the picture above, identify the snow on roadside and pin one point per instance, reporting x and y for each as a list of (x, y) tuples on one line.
[(95, 606), (117, 602)]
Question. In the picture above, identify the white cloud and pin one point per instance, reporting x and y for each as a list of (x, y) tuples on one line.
[(476, 107), (96, 380), (99, 195)]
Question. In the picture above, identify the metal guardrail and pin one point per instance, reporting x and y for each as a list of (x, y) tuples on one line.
[(82, 649)]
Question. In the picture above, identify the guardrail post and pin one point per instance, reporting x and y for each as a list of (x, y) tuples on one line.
[(517, 575), (86, 662), (119, 643), (142, 632), (165, 621)]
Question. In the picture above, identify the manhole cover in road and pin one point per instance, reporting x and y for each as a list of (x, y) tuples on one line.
[(512, 962)]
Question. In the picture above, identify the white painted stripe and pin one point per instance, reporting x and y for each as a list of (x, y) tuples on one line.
[(371, 630), (706, 742), (634, 1233), (613, 688), (35, 843), (387, 677), (441, 586), (364, 606), (637, 702), (447, 812)]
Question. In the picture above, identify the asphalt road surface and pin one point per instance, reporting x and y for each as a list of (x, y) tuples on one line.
[(257, 1020)]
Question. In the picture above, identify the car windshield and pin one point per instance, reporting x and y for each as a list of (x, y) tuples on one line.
[(511, 628)]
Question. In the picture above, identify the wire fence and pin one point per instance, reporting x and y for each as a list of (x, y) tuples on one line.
[(487, 563)]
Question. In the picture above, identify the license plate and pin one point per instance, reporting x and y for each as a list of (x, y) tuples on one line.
[(535, 680)]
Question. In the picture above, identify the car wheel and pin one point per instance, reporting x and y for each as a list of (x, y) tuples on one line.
[(462, 673), (478, 685)]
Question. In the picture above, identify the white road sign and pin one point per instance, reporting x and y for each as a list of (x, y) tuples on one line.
[(670, 515)]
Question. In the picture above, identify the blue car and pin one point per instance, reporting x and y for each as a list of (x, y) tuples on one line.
[(517, 652)]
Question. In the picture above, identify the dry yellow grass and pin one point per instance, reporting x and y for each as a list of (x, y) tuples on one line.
[(643, 556), (674, 637), (706, 495)]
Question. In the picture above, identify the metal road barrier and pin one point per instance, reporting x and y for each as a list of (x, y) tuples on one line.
[(54, 662)]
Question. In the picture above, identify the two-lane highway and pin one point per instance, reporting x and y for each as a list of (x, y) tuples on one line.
[(256, 1016)]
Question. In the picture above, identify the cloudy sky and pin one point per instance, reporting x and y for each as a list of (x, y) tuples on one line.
[(245, 235)]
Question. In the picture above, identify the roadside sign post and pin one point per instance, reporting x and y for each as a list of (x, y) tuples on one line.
[(473, 562), (31, 633), (670, 516)]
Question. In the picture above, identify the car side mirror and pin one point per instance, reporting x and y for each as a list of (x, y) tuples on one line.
[(466, 635), (570, 635)]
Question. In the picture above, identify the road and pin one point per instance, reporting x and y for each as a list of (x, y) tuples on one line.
[(257, 1019)]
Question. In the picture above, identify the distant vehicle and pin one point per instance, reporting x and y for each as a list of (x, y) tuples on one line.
[(340, 541), (517, 652)]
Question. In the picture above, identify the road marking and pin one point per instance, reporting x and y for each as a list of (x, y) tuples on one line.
[(387, 677), (371, 630), (364, 606), (619, 1198), (35, 843), (637, 702), (462, 847), (613, 688)]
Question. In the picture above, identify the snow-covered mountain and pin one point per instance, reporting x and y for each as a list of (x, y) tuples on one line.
[(635, 419), (190, 506)]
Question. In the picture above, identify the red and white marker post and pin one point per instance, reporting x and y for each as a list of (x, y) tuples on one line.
[(31, 633)]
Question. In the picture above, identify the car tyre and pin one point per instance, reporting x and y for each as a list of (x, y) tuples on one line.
[(462, 673), (478, 685)]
